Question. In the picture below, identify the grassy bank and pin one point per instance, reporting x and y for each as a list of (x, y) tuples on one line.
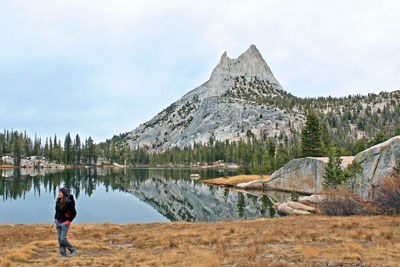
[(287, 241)]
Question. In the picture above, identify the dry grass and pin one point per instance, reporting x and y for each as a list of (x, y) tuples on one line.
[(287, 241), (234, 180)]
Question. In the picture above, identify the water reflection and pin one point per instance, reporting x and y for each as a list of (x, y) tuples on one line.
[(170, 192)]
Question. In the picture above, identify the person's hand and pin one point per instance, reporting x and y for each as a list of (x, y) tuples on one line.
[(67, 223)]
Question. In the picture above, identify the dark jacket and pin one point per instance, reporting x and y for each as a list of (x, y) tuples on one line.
[(66, 213)]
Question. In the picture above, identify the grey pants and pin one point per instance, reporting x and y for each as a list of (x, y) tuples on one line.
[(64, 244)]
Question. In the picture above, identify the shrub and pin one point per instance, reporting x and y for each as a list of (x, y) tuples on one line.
[(342, 202), (294, 196), (387, 196)]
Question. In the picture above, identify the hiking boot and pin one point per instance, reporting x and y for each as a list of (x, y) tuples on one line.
[(73, 253)]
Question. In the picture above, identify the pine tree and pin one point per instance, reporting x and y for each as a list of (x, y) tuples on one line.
[(57, 151), (266, 164), (1, 149), (113, 151), (68, 149), (91, 151), (311, 140), (77, 150), (50, 156), (351, 173), (334, 175), (46, 150), (28, 147), (17, 144), (397, 131), (37, 146)]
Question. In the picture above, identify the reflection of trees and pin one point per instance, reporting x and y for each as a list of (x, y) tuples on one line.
[(18, 187), (226, 194), (77, 180), (240, 204), (267, 205), (154, 186), (84, 180)]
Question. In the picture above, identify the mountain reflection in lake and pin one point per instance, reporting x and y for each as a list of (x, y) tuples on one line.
[(128, 196)]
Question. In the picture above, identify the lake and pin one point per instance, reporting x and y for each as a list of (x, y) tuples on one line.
[(128, 196)]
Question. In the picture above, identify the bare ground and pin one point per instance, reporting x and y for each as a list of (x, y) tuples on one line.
[(288, 241)]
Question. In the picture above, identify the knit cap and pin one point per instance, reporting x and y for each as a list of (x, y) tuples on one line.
[(65, 191)]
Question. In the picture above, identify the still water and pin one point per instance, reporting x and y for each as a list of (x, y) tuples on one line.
[(128, 196)]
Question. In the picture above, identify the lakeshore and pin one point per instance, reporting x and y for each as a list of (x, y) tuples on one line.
[(287, 241)]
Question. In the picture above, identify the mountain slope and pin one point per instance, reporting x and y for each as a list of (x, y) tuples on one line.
[(223, 108), (243, 99)]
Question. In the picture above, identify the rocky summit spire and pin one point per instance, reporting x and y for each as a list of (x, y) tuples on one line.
[(250, 64), (255, 65), (224, 59)]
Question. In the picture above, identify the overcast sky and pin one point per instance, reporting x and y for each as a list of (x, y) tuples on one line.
[(99, 68)]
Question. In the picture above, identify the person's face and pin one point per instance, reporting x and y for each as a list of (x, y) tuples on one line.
[(60, 194)]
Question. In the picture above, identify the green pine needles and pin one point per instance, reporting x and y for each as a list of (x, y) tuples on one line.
[(334, 174), (311, 136)]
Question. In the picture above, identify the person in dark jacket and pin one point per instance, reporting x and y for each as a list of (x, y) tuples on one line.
[(65, 213)]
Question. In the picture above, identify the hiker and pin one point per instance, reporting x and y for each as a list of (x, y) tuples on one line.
[(65, 214)]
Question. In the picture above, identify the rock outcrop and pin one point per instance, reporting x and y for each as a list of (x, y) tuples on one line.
[(378, 162), (32, 162), (284, 209), (257, 184), (294, 208), (300, 175), (306, 175)]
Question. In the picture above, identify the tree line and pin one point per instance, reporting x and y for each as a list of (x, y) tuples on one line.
[(71, 152), (253, 155)]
